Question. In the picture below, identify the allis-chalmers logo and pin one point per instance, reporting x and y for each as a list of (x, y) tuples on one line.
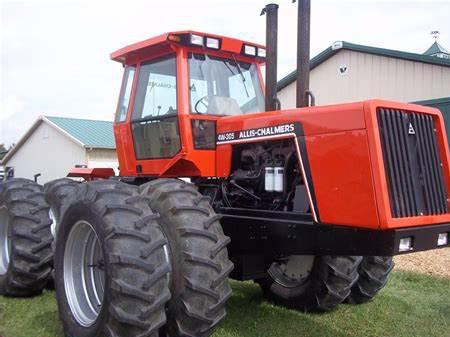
[(269, 131), (256, 133), (411, 130)]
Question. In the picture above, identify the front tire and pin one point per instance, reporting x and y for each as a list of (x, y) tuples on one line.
[(56, 194), (198, 251), (308, 285), (25, 239), (111, 272), (373, 276)]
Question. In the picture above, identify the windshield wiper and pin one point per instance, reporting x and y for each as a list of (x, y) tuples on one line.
[(228, 66), (242, 75)]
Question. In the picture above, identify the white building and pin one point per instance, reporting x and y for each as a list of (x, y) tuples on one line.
[(347, 72), (54, 145)]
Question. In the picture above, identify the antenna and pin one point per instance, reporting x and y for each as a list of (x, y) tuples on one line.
[(435, 34)]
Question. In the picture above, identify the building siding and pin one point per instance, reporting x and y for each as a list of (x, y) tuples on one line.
[(102, 158), (372, 76), (48, 152)]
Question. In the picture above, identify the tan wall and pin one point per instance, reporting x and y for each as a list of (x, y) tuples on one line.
[(102, 158), (371, 76), (49, 152)]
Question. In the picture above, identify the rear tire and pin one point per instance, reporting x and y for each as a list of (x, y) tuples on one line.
[(327, 284), (124, 270), (198, 251), (373, 276), (25, 239)]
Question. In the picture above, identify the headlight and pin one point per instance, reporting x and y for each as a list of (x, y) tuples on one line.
[(212, 43), (197, 40), (261, 52), (249, 50), (405, 245), (442, 239)]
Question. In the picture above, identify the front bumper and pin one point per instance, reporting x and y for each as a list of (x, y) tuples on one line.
[(257, 232)]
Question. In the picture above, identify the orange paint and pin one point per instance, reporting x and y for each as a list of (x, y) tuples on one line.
[(342, 142)]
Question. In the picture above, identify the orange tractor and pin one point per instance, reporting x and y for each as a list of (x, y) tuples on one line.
[(311, 203)]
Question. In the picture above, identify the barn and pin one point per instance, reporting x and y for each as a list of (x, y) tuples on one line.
[(347, 72), (53, 145)]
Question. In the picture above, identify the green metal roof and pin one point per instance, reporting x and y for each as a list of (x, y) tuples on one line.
[(91, 133), (436, 48), (435, 101), (342, 45)]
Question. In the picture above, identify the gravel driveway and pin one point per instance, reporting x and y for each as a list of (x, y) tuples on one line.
[(433, 262)]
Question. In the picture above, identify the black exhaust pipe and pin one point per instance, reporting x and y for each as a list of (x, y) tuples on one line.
[(303, 51), (271, 11)]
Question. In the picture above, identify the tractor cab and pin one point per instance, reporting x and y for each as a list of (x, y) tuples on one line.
[(175, 87)]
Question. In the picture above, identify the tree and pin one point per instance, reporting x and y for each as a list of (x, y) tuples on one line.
[(3, 151)]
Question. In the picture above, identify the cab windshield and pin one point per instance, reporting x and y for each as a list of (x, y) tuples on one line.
[(220, 86)]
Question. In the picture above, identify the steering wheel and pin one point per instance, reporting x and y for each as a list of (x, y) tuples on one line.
[(203, 101)]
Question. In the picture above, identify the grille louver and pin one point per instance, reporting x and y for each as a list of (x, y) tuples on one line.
[(413, 164)]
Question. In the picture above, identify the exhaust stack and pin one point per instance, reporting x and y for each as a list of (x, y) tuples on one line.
[(303, 51), (271, 11)]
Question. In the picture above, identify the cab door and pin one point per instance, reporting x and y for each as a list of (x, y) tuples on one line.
[(154, 118), (121, 127)]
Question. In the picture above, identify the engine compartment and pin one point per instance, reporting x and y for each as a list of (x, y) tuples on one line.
[(266, 176)]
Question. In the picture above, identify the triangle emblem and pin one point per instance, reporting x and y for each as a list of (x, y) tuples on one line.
[(411, 130)]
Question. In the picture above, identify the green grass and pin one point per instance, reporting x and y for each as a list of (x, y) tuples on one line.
[(412, 305)]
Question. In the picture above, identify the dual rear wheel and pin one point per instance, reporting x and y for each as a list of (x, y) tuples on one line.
[(140, 262), (320, 283)]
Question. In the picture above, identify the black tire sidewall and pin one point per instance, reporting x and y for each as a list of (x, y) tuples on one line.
[(4, 279), (55, 200), (176, 284), (80, 211)]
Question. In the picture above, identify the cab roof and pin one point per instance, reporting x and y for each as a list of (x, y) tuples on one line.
[(162, 43)]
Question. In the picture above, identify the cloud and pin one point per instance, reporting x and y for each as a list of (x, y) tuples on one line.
[(10, 106)]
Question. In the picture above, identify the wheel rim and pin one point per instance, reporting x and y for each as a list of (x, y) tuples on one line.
[(4, 241), (292, 271), (52, 217), (84, 275)]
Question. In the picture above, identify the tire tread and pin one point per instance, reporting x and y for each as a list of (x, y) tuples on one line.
[(30, 227), (198, 303)]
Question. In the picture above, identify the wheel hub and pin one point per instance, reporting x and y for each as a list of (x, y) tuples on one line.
[(84, 273), (4, 241), (293, 270)]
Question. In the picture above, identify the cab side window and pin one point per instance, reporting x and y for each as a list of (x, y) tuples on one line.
[(125, 94), (154, 121), (156, 93)]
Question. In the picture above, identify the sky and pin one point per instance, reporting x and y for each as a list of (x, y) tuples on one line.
[(55, 53)]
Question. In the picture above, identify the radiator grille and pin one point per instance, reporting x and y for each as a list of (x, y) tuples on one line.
[(412, 163)]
